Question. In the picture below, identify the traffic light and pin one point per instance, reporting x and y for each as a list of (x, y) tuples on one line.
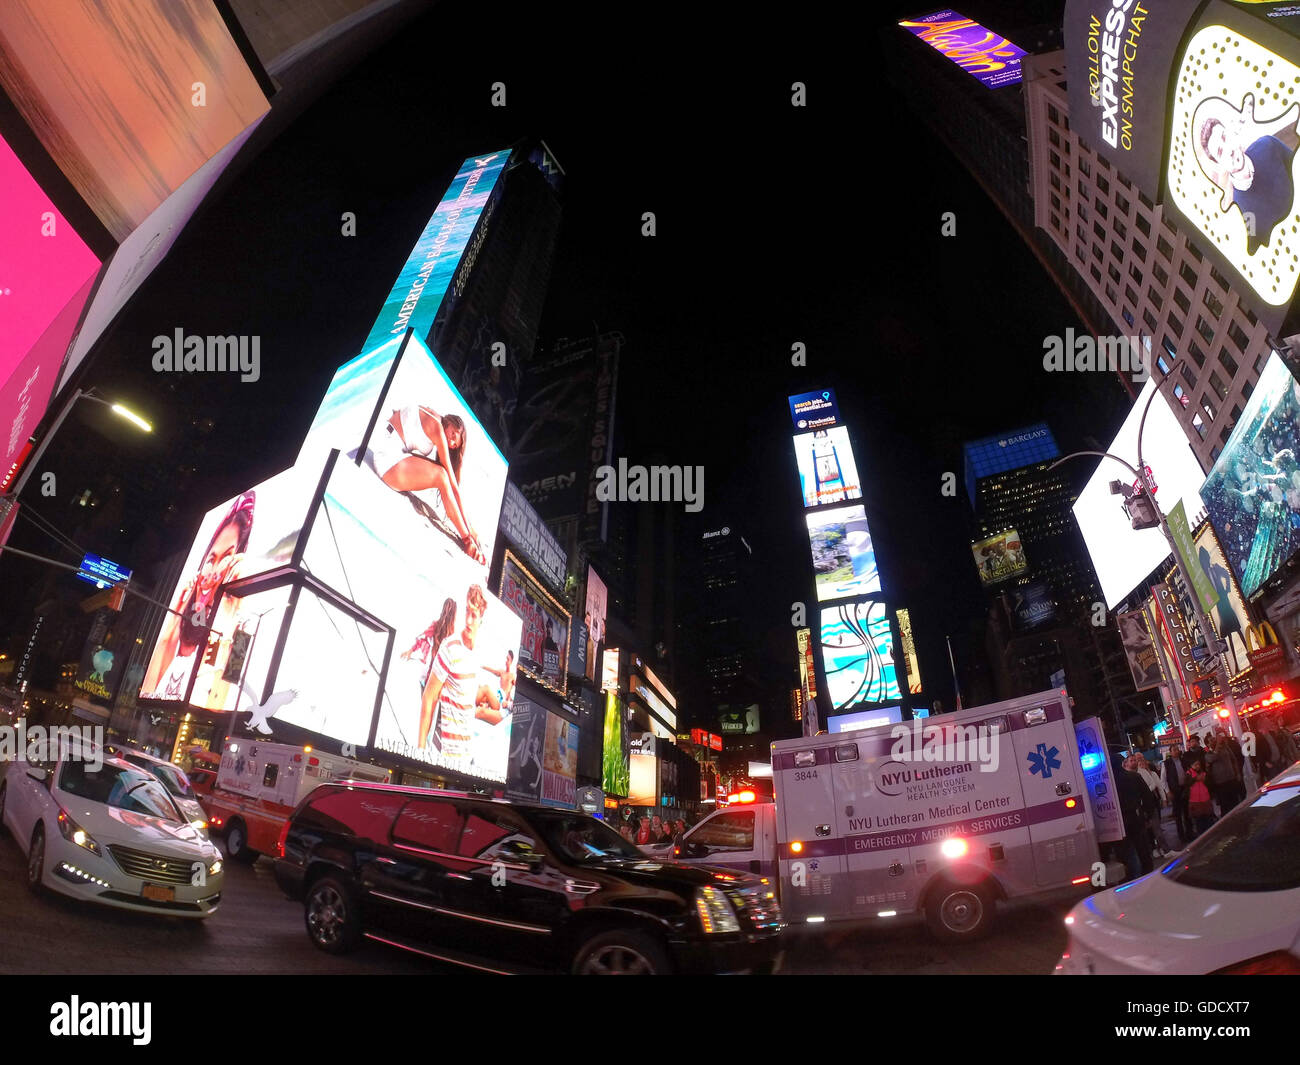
[(1137, 505)]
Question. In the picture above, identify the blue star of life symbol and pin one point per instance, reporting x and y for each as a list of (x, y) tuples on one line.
[(1043, 760)]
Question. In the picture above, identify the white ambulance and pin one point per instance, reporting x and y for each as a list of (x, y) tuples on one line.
[(942, 817)]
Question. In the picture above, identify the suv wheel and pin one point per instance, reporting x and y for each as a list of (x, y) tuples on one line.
[(333, 915), (960, 912), (237, 849), (36, 862), (621, 953)]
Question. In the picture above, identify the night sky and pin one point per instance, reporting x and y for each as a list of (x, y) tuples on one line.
[(775, 225)]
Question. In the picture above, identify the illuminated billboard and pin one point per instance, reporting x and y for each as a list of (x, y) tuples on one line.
[(1227, 612), (615, 760), (544, 642), (594, 619), (880, 715), (814, 410), (411, 431), (1122, 556), (844, 562), (1140, 650), (46, 273), (1234, 130), (857, 652), (985, 55), (913, 666), (1253, 492), (828, 472), (560, 763), (1123, 52), (999, 557)]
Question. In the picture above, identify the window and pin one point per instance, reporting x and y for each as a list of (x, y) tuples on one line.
[(1168, 345), (1101, 207), (1164, 366), (1160, 275), (1187, 374), (1056, 222), (1128, 316), (1056, 160), (1205, 329), (1143, 200), (429, 824), (1056, 201), (1198, 425), (1084, 168), (1163, 247), (1103, 184), (1083, 210), (1259, 362), (1208, 407), (1054, 137), (1216, 383), (1238, 336), (727, 832), (1180, 298), (1153, 296), (1246, 390), (1194, 252), (1121, 229), (1116, 252), (1098, 231), (1150, 320), (1096, 253), (1053, 115), (1110, 295), (1180, 395), (1135, 273), (1113, 271), (1228, 363), (1056, 181), (270, 775), (1176, 325), (1188, 274), (1213, 303), (1219, 280), (1214, 455), (1096, 274), (1133, 297), (1121, 203), (1143, 225), (1139, 250)]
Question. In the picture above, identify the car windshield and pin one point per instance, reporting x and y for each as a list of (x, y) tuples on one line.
[(584, 839), (1254, 848), (172, 778), (118, 787)]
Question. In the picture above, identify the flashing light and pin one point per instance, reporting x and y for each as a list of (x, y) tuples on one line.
[(796, 847), (954, 847), (1070, 804), (742, 796), (1276, 697), (1223, 711), (1090, 761), (1069, 919)]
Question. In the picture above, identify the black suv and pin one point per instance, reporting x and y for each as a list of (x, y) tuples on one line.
[(508, 887)]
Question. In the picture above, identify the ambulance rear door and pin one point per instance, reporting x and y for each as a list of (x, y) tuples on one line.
[(809, 843)]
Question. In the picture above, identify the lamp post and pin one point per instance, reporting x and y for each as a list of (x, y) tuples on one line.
[(1212, 641), (117, 408)]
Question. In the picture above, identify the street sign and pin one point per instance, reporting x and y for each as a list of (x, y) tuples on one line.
[(102, 572)]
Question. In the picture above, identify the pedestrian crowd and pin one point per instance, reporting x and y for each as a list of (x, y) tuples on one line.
[(1199, 785), (645, 831)]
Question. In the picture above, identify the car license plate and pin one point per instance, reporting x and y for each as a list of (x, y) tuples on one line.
[(157, 893)]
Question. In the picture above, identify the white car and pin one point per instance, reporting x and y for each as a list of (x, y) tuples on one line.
[(1229, 903), (173, 778), (110, 835)]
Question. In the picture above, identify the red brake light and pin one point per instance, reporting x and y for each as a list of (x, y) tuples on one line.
[(1278, 963)]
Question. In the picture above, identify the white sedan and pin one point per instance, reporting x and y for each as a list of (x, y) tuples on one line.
[(110, 834), (1229, 903)]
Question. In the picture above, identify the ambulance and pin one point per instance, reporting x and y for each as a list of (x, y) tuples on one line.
[(939, 817), (259, 785)]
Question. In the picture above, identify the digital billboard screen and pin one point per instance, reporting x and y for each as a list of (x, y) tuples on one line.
[(828, 472), (451, 682), (1227, 612), (913, 666), (880, 715), (425, 446), (594, 619), (1122, 556), (544, 643), (985, 55), (560, 763), (857, 650), (615, 767), (1139, 649), (844, 561), (999, 557), (1253, 492), (814, 410)]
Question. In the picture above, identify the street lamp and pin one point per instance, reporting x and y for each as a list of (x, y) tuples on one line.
[(117, 408), (1141, 506)]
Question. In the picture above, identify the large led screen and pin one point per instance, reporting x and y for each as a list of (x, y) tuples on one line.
[(844, 562), (426, 447), (827, 470), (46, 273), (130, 97), (256, 531), (986, 55), (880, 715), (814, 410), (1121, 555), (451, 682), (544, 643), (999, 557), (857, 651), (1253, 491), (1228, 611), (616, 756), (594, 618), (1234, 130)]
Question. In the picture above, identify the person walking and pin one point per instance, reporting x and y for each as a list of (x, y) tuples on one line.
[(1176, 782), (1222, 774), (1199, 803), (1136, 802), (1138, 764)]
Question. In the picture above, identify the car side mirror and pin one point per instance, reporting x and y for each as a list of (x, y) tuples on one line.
[(691, 849), (38, 774)]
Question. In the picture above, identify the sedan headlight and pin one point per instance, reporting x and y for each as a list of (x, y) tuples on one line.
[(215, 867), (715, 910), (74, 833), (200, 824)]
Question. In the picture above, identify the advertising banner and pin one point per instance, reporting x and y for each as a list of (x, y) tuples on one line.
[(99, 671), (828, 473), (522, 526), (913, 666), (1032, 605), (1143, 661), (578, 650), (560, 762), (450, 685), (814, 410), (857, 651), (1175, 633), (999, 557), (544, 642), (1183, 538), (1253, 492), (615, 761), (594, 619), (1227, 610), (527, 738), (609, 670), (1123, 52), (985, 55), (880, 715), (844, 560), (738, 720), (1233, 131)]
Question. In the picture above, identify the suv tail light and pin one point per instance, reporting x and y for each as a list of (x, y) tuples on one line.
[(279, 843), (1278, 963)]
